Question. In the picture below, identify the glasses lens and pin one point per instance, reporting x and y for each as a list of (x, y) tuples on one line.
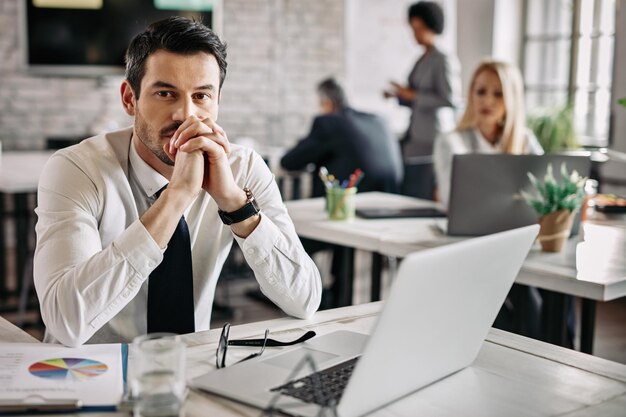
[(220, 355)]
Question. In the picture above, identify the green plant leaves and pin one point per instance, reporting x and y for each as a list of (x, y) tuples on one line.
[(555, 129), (553, 196), (622, 101)]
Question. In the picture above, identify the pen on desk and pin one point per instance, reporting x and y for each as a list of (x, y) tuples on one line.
[(324, 172), (355, 178), (49, 405), (334, 182), (324, 179), (359, 178)]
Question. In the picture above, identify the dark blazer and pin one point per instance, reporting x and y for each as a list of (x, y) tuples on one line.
[(344, 141)]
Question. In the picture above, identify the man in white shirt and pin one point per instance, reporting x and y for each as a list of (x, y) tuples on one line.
[(128, 239)]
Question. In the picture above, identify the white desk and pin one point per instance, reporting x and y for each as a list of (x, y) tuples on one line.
[(19, 176), (10, 333), (20, 171), (512, 375), (598, 275)]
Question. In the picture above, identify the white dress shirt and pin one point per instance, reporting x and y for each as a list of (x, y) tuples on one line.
[(467, 141), (94, 257)]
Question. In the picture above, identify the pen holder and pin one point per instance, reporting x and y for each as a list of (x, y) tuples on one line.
[(340, 203)]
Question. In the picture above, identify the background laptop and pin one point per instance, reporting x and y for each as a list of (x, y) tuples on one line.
[(485, 190), (433, 324)]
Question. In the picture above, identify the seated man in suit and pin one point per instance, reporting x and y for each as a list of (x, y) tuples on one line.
[(134, 225), (343, 139)]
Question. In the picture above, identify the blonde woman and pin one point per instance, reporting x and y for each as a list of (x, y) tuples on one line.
[(494, 122)]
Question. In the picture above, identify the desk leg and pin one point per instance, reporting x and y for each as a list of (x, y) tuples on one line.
[(296, 190), (587, 325), (345, 281), (554, 326), (21, 236), (377, 269)]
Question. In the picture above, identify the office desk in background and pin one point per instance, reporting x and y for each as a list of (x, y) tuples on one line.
[(19, 176), (599, 278), (512, 375)]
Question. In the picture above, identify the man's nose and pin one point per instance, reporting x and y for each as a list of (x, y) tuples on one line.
[(186, 108)]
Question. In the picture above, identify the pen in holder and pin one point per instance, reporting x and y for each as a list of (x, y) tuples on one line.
[(340, 203)]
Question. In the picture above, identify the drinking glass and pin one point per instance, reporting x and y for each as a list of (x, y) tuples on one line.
[(158, 374)]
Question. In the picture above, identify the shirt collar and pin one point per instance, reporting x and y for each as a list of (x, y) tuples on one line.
[(149, 179), (479, 135)]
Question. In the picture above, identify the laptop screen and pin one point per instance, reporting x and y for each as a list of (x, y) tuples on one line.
[(485, 191)]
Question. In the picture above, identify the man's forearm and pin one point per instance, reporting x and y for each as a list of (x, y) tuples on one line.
[(161, 219)]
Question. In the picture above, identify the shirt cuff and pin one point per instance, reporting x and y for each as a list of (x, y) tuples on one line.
[(262, 240), (139, 248)]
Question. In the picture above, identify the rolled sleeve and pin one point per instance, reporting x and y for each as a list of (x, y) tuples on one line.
[(284, 271), (139, 248), (81, 282)]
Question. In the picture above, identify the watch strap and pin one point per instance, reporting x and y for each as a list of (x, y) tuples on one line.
[(248, 210)]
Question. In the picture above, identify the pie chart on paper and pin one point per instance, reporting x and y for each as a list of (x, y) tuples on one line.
[(72, 369)]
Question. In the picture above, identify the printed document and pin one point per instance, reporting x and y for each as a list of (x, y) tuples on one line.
[(36, 372)]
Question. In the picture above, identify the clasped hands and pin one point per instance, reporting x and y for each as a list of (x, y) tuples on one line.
[(200, 150)]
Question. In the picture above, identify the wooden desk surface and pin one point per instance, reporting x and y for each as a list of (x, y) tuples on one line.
[(512, 375), (593, 268)]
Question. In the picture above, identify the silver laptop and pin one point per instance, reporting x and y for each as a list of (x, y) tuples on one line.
[(485, 190), (433, 324)]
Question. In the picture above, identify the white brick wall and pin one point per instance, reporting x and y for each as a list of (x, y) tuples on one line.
[(277, 52)]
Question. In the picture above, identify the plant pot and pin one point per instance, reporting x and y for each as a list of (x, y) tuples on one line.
[(555, 229)]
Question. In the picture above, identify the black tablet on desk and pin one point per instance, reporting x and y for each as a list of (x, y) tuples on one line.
[(394, 213)]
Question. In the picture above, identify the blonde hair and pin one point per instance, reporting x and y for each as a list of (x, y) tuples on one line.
[(513, 138)]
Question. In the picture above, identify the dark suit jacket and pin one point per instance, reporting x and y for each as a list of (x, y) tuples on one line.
[(344, 141)]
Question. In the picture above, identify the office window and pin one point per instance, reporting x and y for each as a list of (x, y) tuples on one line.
[(568, 57)]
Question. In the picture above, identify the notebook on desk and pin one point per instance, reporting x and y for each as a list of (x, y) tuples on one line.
[(485, 190), (433, 324)]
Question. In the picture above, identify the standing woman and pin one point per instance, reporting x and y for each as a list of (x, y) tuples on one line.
[(432, 85), (494, 122)]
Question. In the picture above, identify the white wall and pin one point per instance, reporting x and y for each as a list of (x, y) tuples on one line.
[(380, 48), (278, 50), (474, 35)]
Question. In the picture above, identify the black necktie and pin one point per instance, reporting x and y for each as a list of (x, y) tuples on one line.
[(170, 288)]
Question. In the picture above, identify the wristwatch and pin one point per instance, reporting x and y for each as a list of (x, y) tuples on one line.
[(249, 209)]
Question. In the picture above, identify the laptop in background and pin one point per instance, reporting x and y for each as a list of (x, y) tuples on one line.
[(433, 324), (485, 190)]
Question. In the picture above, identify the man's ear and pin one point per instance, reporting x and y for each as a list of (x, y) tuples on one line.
[(128, 98)]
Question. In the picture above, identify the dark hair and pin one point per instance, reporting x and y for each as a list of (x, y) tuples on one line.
[(430, 13), (175, 34), (330, 89)]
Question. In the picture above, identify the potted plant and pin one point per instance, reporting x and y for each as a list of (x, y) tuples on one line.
[(556, 203), (555, 129)]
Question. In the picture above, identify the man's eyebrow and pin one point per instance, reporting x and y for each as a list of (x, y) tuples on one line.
[(163, 84)]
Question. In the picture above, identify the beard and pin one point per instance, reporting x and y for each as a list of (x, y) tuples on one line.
[(152, 139)]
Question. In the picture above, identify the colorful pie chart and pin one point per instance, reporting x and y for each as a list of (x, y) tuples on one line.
[(73, 369)]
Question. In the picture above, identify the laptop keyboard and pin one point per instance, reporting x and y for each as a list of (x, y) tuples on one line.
[(324, 388)]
